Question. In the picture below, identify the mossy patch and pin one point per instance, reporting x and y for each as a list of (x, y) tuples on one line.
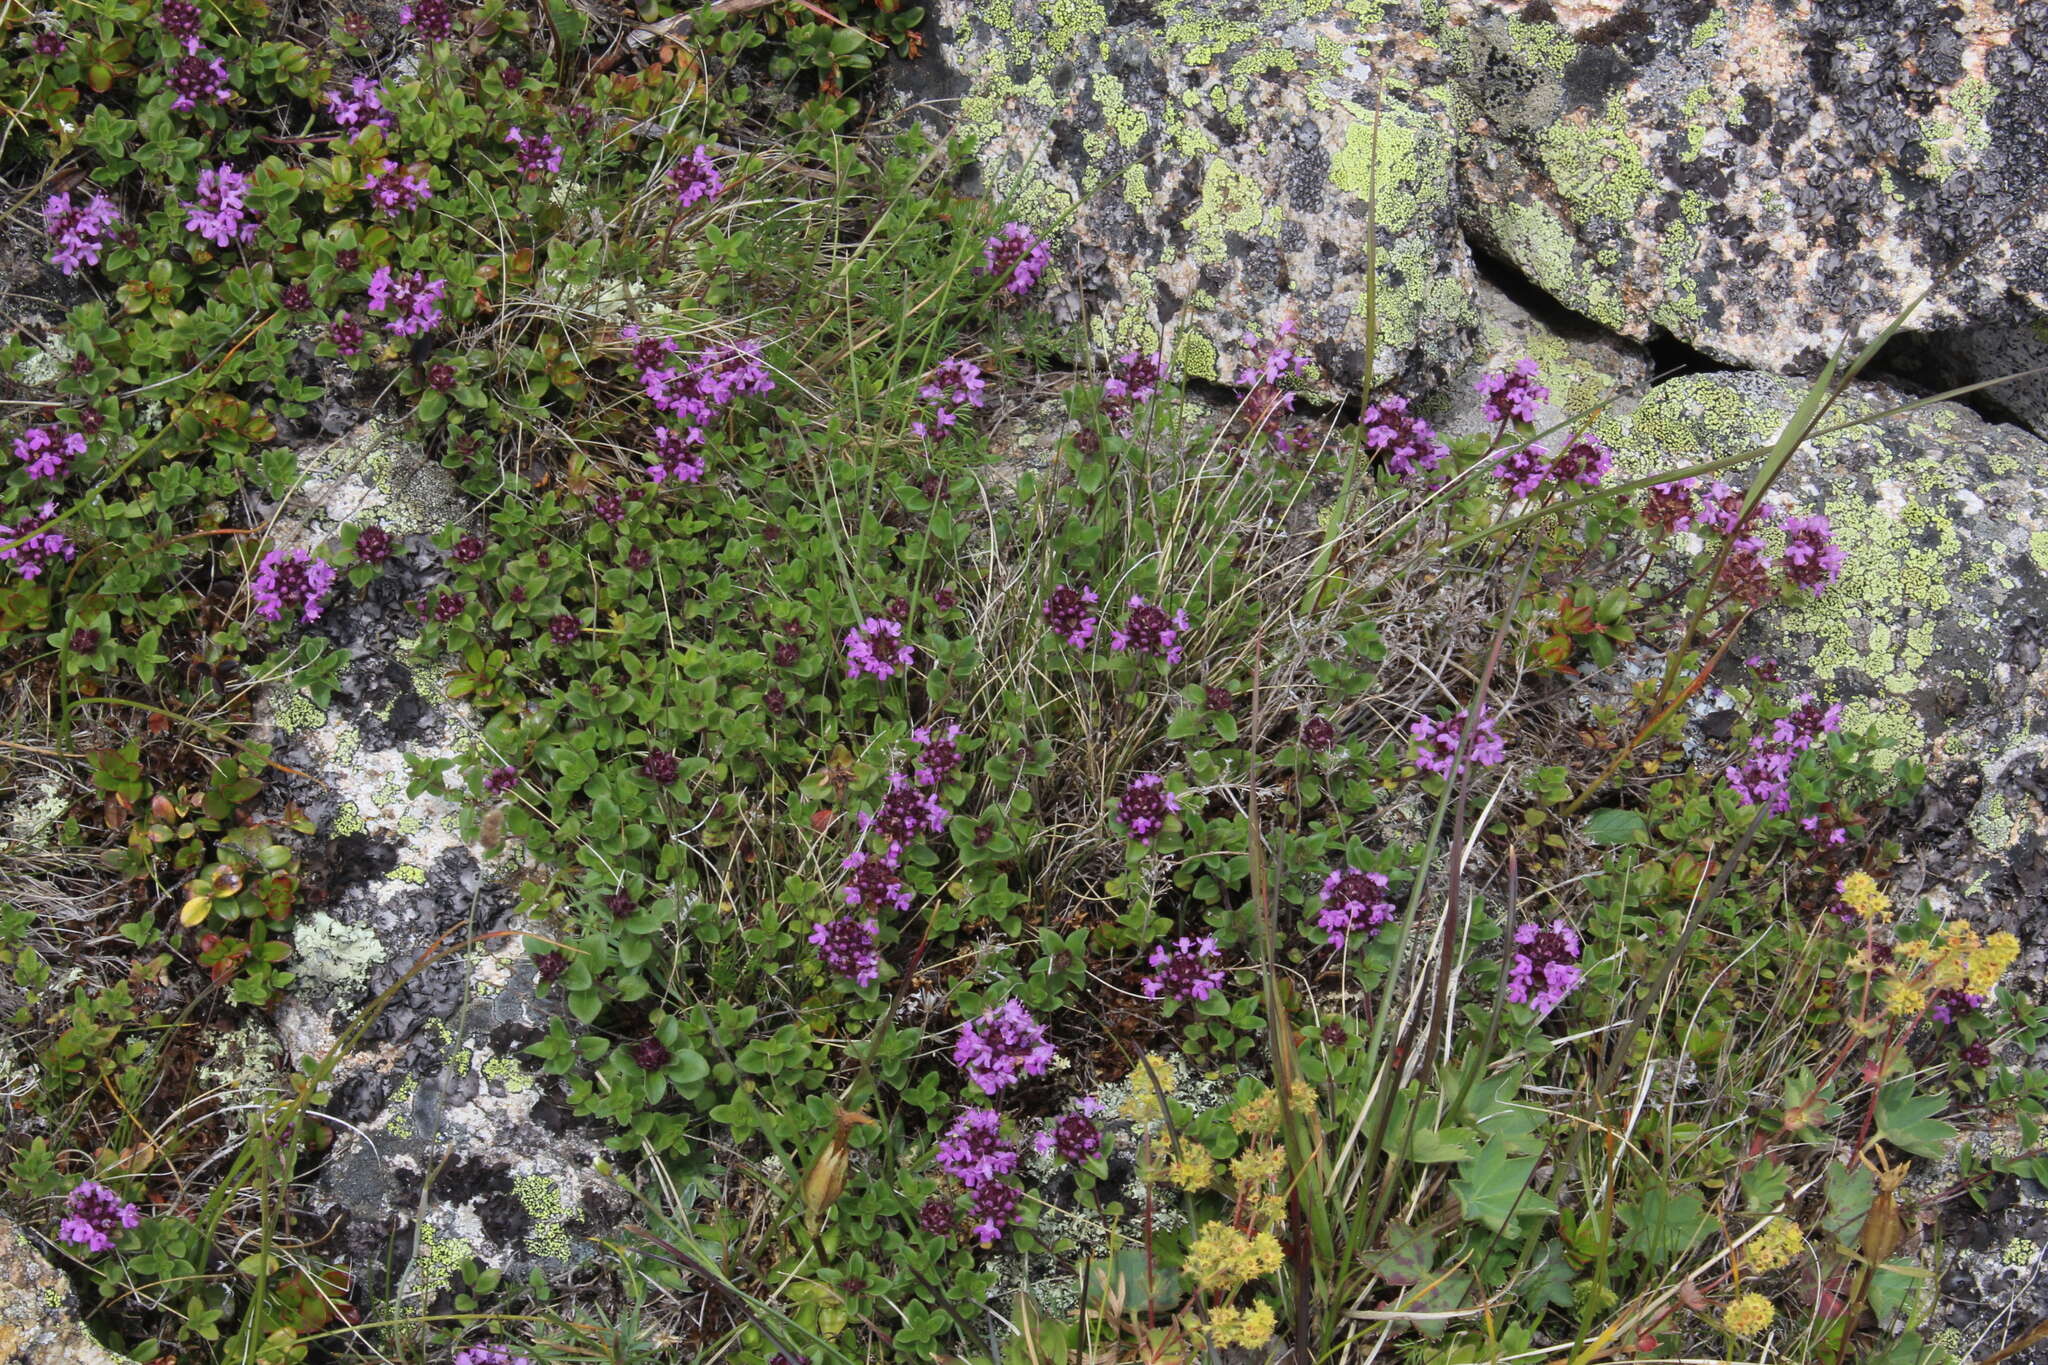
[(334, 953)]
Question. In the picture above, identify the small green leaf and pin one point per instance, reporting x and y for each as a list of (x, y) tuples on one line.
[(1613, 826), (1907, 1121), (1493, 1187)]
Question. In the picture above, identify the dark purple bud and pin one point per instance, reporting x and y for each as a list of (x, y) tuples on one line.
[(659, 766), (468, 550), (297, 297), (84, 640), (550, 965), (649, 1054), (564, 629), (373, 545)]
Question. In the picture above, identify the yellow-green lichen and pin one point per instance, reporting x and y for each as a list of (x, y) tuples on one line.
[(1991, 824), (412, 876), (1540, 43), (1125, 120), (335, 953), (1137, 190), (1194, 355), (1713, 27), (508, 1073), (297, 712), (1597, 167), (542, 1200), (2037, 549), (347, 820), (1232, 202), (440, 1256), (1399, 164), (1072, 21)]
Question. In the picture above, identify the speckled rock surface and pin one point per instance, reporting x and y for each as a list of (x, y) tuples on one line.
[(1584, 367), (1208, 163), (38, 1312), (1756, 176), (1973, 355), (411, 969)]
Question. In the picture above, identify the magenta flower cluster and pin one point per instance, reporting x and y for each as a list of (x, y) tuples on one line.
[(1407, 443), (94, 1215), (47, 452), (1353, 902), (1144, 806), (975, 1152), (952, 387), (433, 20), (1133, 380), (397, 189), (488, 1355), (80, 229), (848, 947), (28, 547), (221, 213), (196, 78), (876, 648), (1016, 256), (1075, 1138), (938, 754), (359, 107), (906, 814), (1527, 468), (873, 881), (1186, 970), (1268, 398), (1436, 742), (182, 21), (536, 153), (414, 301), (1811, 560), (1148, 630), (1069, 612), (1764, 776), (291, 581), (1003, 1047), (1512, 395), (1544, 968), (675, 457), (693, 394), (695, 178)]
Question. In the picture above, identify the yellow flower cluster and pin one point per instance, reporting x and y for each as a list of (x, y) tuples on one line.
[(1260, 1115), (1193, 1169), (1221, 1259), (1142, 1108), (1257, 1166), (1747, 1315), (1859, 892), (1248, 1327), (1904, 1000), (1957, 958), (1775, 1246)]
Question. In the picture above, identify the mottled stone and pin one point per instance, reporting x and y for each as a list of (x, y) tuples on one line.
[(2009, 355), (1756, 178), (38, 1313), (1207, 168)]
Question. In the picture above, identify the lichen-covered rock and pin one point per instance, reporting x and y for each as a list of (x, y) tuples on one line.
[(1757, 178), (410, 967), (1207, 167), (1587, 370), (1979, 354), (38, 1313)]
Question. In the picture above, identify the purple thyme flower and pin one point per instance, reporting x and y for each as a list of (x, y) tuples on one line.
[(80, 230), (488, 1355), (1764, 777), (291, 580), (1522, 469), (1669, 506), (1002, 1047), (47, 452), (1074, 1136), (1544, 968), (875, 647), (51, 44), (938, 755), (1406, 442), (935, 1216), (1584, 461), (1436, 742), (952, 387), (674, 458), (434, 19), (220, 214), (1187, 970), (994, 1209), (36, 547), (537, 153), (847, 947), (695, 178), (659, 766), (1135, 380), (1354, 902), (974, 1151), (650, 1054), (1144, 806), (197, 78), (564, 629), (694, 392), (359, 107), (1812, 559), (1318, 735), (397, 189), (346, 334), (1149, 630), (415, 299), (94, 1215), (1723, 513), (182, 21), (1016, 256), (874, 881), (1067, 612), (1269, 398), (1513, 394), (906, 814), (501, 779)]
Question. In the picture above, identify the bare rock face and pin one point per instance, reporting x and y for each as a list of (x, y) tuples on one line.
[(412, 980), (1208, 170), (38, 1312), (1758, 178)]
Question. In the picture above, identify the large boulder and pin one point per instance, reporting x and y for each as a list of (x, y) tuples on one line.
[(38, 1312), (1207, 174), (1759, 179)]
